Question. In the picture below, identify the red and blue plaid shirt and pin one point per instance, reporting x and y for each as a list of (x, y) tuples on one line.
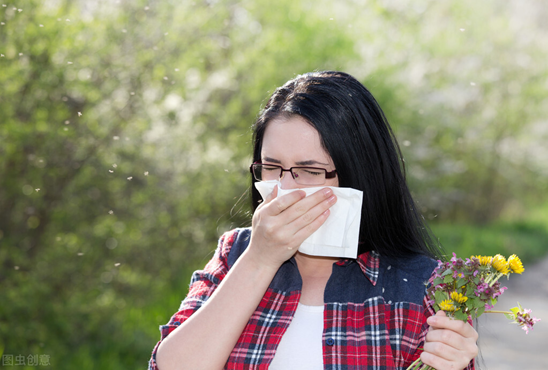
[(375, 309)]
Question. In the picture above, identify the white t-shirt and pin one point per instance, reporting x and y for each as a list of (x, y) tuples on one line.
[(301, 345)]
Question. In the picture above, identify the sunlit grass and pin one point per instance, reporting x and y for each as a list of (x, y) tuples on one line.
[(528, 238)]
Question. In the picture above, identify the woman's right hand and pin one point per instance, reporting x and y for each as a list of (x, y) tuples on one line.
[(281, 224)]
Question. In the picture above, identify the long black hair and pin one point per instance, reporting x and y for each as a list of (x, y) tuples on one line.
[(354, 131)]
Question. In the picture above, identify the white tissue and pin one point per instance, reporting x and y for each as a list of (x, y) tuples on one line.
[(338, 236)]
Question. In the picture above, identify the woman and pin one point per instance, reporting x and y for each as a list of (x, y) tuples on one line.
[(260, 303)]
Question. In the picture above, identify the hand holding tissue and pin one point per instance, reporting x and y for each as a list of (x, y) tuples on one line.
[(338, 236)]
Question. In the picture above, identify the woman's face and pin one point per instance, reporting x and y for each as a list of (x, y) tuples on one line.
[(290, 142)]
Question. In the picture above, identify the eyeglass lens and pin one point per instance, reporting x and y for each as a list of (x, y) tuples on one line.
[(302, 175)]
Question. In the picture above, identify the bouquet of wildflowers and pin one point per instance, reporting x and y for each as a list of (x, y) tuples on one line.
[(467, 289)]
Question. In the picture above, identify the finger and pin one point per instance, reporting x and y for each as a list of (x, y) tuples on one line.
[(437, 362), (441, 350), (304, 206), (441, 321), (446, 337), (308, 229), (440, 313), (280, 204), (312, 214)]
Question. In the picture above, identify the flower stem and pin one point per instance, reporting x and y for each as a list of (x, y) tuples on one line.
[(418, 365), (492, 282), (414, 365), (495, 311)]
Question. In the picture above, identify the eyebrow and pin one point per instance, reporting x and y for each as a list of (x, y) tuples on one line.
[(300, 163)]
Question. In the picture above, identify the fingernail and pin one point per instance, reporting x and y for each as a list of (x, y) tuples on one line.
[(327, 192), (332, 199)]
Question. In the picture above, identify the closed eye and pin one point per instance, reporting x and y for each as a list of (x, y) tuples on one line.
[(313, 172)]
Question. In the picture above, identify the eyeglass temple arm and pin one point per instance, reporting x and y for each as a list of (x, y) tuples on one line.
[(330, 175)]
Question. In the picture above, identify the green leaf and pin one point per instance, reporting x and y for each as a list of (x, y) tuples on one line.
[(447, 272), (478, 303), (470, 292), (440, 296), (461, 316), (448, 279), (480, 311)]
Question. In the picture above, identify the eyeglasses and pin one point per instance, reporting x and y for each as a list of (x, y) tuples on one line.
[(301, 175)]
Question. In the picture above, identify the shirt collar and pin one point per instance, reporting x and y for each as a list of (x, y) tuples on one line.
[(369, 264)]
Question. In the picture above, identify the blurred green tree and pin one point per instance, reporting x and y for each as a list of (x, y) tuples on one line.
[(124, 143), (466, 93)]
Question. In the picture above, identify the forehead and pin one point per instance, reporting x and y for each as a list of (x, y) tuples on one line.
[(293, 139)]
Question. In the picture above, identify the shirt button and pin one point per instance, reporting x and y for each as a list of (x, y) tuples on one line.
[(330, 341)]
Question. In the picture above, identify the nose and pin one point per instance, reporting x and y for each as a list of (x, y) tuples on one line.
[(287, 181)]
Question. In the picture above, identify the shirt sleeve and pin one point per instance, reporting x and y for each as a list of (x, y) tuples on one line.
[(428, 305), (202, 285)]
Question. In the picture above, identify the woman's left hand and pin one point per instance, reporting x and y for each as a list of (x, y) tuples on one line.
[(450, 344)]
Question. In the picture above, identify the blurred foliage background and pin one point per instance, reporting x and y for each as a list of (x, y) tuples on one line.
[(125, 141)]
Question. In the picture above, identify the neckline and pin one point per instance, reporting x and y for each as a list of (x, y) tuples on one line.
[(307, 308)]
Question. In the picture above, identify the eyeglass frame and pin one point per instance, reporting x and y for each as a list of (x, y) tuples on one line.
[(328, 174)]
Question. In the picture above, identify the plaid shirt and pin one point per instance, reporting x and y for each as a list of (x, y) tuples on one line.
[(374, 313)]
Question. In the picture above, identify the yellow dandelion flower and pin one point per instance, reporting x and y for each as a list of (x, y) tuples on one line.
[(458, 297), (515, 264), (499, 263), (447, 305), (484, 260)]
